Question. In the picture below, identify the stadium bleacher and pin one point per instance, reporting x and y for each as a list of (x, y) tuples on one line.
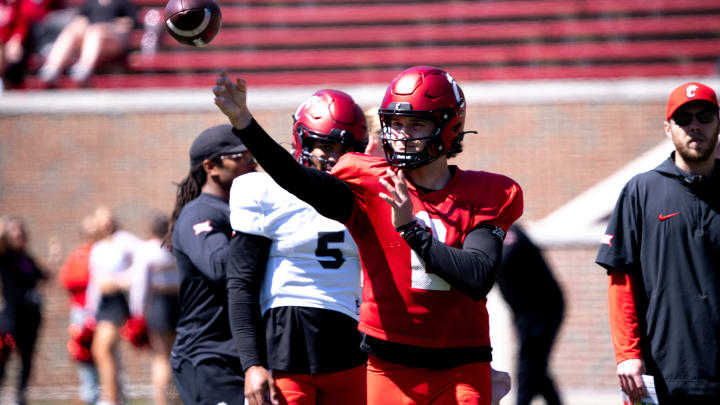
[(322, 42)]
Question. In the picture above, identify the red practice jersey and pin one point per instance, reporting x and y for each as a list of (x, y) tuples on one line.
[(403, 301)]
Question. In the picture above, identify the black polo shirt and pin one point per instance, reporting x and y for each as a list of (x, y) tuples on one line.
[(200, 245), (665, 233)]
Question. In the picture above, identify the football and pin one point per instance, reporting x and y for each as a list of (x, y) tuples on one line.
[(193, 22)]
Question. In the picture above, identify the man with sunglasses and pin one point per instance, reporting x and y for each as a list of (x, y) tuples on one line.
[(205, 365), (662, 253)]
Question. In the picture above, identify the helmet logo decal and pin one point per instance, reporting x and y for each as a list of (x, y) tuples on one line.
[(307, 103), (455, 88)]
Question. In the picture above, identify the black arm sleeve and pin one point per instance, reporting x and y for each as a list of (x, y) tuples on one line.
[(472, 269), (246, 269), (310, 185)]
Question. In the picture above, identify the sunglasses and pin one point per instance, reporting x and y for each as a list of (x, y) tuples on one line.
[(242, 155), (685, 118)]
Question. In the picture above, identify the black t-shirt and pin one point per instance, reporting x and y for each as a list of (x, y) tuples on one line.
[(665, 233), (200, 245), (19, 275), (96, 12)]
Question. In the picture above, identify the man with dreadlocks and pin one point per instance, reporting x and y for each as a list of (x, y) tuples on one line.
[(206, 367)]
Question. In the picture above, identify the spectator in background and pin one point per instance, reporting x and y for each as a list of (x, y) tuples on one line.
[(17, 18), (154, 296), (536, 300), (21, 317), (110, 259), (74, 276), (99, 33)]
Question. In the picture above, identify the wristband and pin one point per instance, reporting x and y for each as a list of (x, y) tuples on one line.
[(403, 228), (408, 233)]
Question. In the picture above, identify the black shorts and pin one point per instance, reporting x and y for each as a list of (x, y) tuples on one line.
[(164, 313), (211, 382), (113, 308)]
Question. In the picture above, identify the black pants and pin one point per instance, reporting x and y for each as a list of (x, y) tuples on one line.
[(536, 340), (211, 382), (24, 328)]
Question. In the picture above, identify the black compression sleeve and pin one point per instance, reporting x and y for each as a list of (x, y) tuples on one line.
[(472, 269), (310, 185), (245, 271)]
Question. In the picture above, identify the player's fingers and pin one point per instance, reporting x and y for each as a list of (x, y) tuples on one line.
[(401, 183), (388, 200), (273, 393), (220, 102), (389, 187), (631, 388), (224, 79), (253, 398), (639, 386), (219, 89)]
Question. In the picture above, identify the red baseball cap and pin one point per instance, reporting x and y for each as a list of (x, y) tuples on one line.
[(688, 92)]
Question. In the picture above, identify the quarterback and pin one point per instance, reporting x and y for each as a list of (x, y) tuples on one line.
[(429, 233)]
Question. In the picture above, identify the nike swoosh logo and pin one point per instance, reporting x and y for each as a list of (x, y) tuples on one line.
[(662, 217)]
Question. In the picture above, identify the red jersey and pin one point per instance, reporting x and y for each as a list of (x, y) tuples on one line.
[(74, 274), (403, 301)]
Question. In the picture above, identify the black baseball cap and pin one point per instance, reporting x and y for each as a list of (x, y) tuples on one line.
[(215, 141)]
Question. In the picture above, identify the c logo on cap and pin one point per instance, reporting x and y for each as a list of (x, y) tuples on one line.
[(690, 90)]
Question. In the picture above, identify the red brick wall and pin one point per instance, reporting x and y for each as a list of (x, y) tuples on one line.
[(56, 168)]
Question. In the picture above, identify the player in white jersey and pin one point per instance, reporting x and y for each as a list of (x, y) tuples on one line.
[(294, 275)]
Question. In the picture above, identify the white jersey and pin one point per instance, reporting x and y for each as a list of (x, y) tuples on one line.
[(154, 268), (313, 260), (109, 257)]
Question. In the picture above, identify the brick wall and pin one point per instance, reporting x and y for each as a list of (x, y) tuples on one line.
[(55, 168)]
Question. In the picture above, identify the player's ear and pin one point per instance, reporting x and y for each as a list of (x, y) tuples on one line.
[(210, 166), (667, 126)]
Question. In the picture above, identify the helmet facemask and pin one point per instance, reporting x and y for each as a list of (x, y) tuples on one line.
[(434, 146), (339, 136)]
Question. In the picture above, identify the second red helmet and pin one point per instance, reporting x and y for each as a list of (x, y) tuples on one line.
[(329, 116)]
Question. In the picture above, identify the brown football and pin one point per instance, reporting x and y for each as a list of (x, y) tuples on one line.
[(193, 22)]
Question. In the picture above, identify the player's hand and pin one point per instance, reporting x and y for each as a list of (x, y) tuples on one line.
[(374, 146), (260, 387), (630, 374), (231, 99), (398, 198)]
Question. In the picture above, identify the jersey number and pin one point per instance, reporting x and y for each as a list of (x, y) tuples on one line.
[(421, 279), (325, 238)]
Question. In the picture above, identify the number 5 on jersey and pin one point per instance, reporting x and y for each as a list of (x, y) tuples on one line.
[(324, 239)]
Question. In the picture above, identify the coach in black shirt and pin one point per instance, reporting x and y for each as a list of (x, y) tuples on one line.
[(206, 367), (662, 253)]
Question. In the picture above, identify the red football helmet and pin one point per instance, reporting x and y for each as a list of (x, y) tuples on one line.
[(330, 116), (429, 93)]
